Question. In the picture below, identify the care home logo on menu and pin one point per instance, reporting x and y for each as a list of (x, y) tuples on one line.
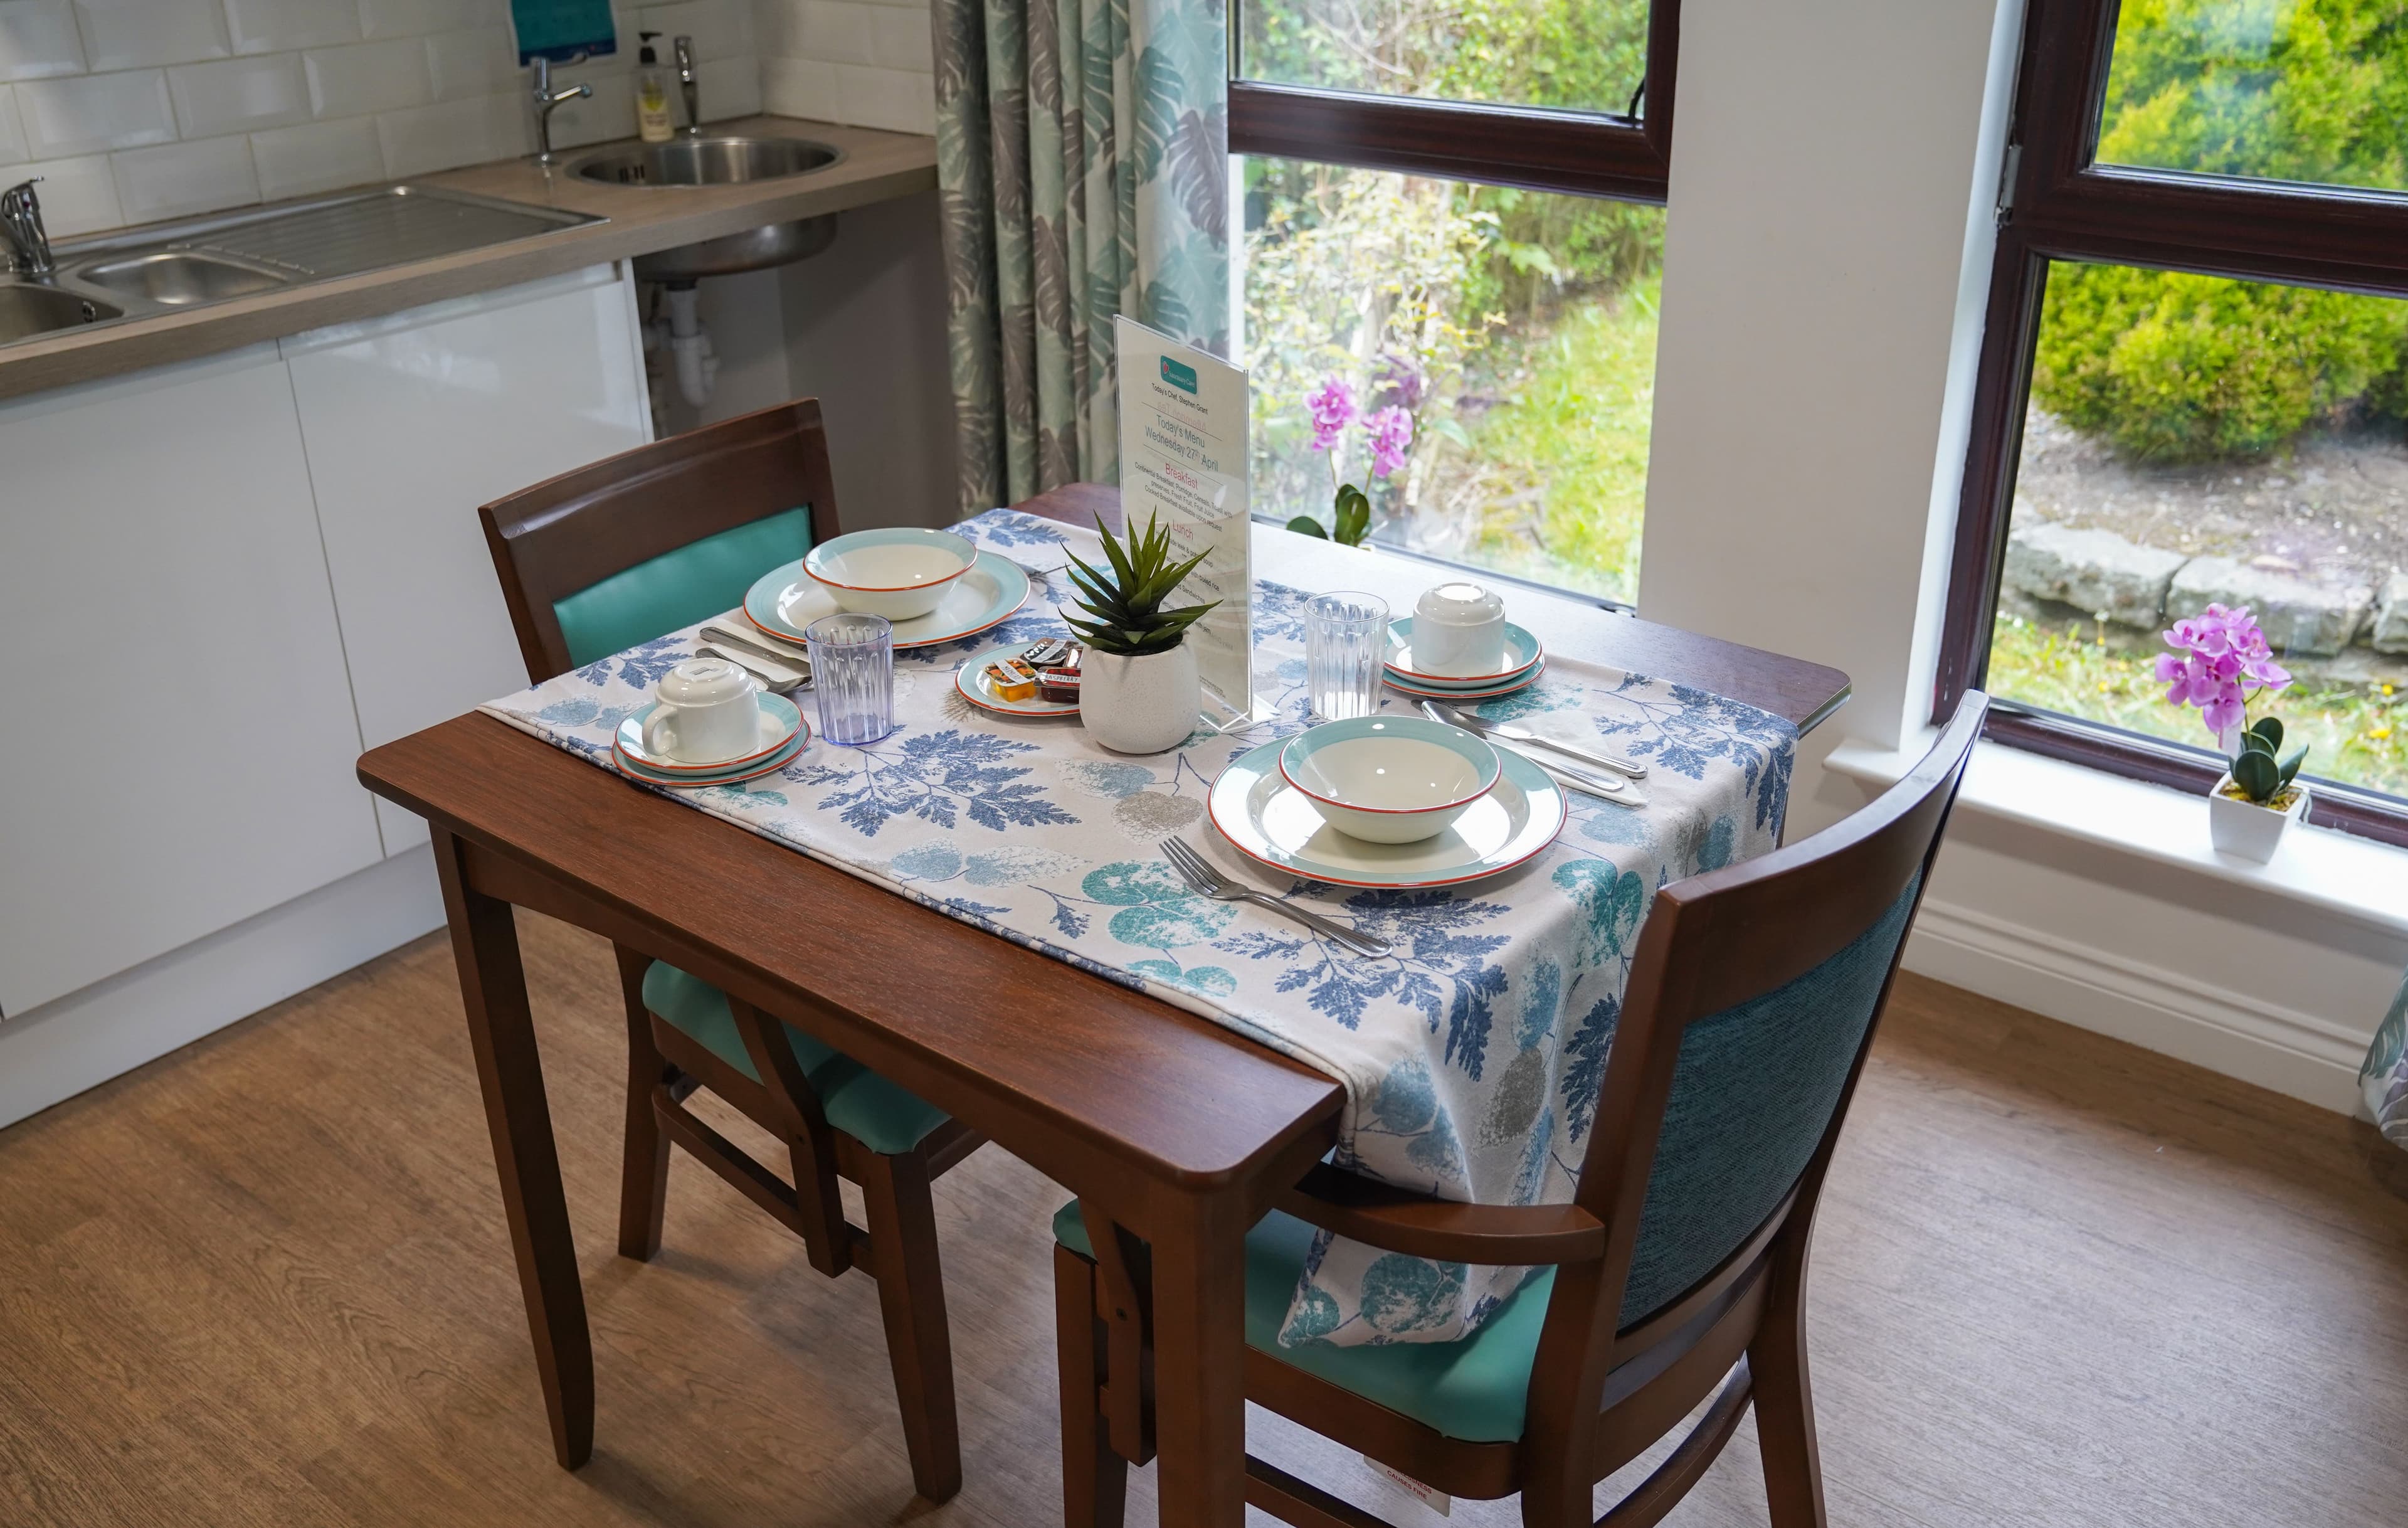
[(1181, 383), (1178, 374)]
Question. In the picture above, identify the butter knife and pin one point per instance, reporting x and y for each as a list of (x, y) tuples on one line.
[(1511, 733), (794, 658)]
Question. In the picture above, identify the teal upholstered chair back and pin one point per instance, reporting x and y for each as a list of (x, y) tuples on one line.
[(1750, 1007), (615, 554)]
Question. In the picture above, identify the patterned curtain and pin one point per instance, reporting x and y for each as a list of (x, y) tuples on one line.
[(2384, 1079), (1082, 167)]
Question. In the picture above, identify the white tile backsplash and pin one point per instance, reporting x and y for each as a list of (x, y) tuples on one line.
[(38, 39), (852, 60), (140, 109), (897, 100), (90, 113), (317, 156), (419, 18), (798, 86), (900, 40), (369, 76), (427, 139), (134, 34), (473, 63), (238, 94), (178, 179), (268, 26), (79, 196)]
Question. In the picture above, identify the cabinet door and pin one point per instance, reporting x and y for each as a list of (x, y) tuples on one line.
[(180, 738), (411, 422)]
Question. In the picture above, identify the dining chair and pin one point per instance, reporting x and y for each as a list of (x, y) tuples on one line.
[(1676, 1277), (611, 555)]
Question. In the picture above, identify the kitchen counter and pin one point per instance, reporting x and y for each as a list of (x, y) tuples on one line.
[(877, 167)]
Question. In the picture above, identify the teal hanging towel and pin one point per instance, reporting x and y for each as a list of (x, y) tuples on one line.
[(560, 30)]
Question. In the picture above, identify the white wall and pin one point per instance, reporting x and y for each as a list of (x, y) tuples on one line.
[(866, 335), (133, 110), (1827, 257)]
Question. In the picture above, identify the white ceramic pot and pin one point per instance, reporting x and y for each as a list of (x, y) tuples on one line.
[(1141, 705), (2244, 830)]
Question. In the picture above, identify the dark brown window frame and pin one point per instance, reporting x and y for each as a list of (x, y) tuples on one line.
[(1532, 147), (2064, 207)]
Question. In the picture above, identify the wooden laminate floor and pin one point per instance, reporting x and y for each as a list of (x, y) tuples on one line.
[(266, 1280)]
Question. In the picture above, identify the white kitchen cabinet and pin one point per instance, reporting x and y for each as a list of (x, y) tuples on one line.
[(181, 735), (413, 421)]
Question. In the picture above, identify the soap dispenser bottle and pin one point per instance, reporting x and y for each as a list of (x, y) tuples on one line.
[(652, 120)]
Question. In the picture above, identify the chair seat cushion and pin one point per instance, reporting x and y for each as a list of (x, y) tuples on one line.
[(883, 1117), (1474, 1389), (679, 587)]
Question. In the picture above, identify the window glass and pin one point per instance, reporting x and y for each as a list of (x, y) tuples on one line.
[(1514, 334), (1582, 55), (2191, 439), (2279, 89)]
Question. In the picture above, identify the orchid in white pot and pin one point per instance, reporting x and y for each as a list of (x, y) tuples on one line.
[(2220, 663)]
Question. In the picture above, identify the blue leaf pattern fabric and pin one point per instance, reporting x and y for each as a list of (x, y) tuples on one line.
[(1470, 1056)]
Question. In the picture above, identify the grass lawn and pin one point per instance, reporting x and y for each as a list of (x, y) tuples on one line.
[(1562, 459), (2355, 734)]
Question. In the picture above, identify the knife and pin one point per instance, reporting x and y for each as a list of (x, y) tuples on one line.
[(1511, 733), (791, 658)]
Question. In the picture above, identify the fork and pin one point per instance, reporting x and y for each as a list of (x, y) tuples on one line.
[(1206, 880)]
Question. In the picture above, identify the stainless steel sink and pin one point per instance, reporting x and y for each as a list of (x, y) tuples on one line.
[(683, 164), (27, 311), (172, 268), (705, 162), (180, 278)]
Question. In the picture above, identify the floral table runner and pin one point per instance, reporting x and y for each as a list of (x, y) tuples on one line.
[(1472, 1056)]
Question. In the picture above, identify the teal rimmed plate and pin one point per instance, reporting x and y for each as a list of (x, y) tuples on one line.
[(1271, 822), (726, 775), (784, 600), (1520, 682), (1523, 653), (780, 722)]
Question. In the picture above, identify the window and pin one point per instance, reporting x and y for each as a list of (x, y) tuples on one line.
[(2194, 387), (1454, 210)]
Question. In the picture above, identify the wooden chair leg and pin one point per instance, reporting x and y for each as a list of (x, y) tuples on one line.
[(1095, 1479), (1785, 1403), (912, 1296), (644, 1164)]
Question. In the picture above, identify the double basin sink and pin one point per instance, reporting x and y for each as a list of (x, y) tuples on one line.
[(241, 255)]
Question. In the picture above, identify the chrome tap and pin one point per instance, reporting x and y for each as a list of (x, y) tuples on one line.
[(547, 100), (688, 86), (28, 243)]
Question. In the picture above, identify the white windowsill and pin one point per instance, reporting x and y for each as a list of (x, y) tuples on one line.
[(2347, 877)]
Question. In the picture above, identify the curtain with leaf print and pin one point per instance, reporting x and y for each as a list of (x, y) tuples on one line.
[(2384, 1079), (1081, 164)]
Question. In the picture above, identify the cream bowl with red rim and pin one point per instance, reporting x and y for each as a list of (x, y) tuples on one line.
[(899, 572), (1389, 779)]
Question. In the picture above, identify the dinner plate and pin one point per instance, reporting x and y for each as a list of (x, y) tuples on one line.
[(1428, 692), (969, 680), (780, 721), (1521, 650), (727, 775), (786, 599), (1272, 822)]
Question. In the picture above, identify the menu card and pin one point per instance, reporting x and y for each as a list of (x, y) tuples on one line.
[(1184, 459)]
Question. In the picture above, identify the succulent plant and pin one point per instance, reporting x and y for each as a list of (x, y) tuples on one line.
[(2255, 772), (1125, 602)]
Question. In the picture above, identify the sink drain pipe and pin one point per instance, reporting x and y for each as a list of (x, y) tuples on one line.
[(689, 344)]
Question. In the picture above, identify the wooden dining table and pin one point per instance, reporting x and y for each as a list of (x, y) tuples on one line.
[(1182, 1131)]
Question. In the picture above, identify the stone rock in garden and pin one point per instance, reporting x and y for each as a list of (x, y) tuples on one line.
[(2095, 572), (2298, 617), (2389, 633)]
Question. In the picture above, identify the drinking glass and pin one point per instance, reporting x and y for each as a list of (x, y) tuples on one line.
[(853, 676), (1345, 651)]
